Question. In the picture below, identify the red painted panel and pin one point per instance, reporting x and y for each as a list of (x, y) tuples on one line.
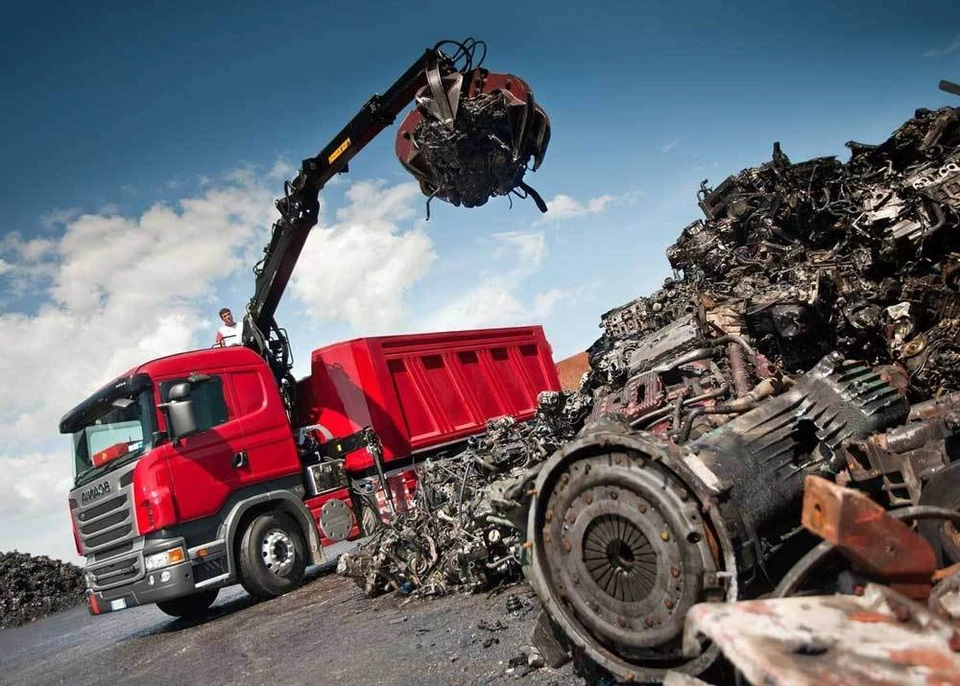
[(450, 395), (486, 395), (315, 505), (423, 390), (268, 439), (417, 419)]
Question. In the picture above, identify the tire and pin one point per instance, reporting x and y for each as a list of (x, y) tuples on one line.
[(272, 556), (189, 606)]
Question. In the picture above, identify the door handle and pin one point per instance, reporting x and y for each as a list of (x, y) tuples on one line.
[(240, 459)]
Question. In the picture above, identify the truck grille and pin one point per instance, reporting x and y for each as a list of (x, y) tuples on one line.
[(117, 572), (107, 526)]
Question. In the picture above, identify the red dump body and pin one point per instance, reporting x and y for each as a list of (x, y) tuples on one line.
[(422, 391)]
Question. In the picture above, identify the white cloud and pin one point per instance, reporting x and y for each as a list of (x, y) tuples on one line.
[(58, 217), (31, 481), (492, 303), (26, 264), (359, 269), (947, 50), (667, 147), (497, 299), (116, 291), (531, 247), (563, 207), (281, 170)]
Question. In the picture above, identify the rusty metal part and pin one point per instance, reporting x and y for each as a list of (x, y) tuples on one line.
[(881, 637), (943, 490), (571, 371), (764, 389), (905, 458), (879, 545), (793, 580), (934, 407), (620, 550), (738, 369)]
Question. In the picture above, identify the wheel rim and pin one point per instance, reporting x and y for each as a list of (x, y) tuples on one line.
[(278, 552)]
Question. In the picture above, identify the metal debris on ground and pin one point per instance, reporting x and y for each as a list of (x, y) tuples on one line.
[(811, 327), (869, 633), (462, 532)]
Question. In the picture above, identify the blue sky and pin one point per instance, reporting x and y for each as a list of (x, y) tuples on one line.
[(140, 123)]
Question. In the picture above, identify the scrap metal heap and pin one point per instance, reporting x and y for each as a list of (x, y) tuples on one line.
[(812, 327), (894, 622), (463, 531)]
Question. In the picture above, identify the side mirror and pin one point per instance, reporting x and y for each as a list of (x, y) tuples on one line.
[(180, 413), (182, 418), (180, 391)]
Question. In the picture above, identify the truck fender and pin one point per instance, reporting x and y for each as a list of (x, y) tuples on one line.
[(282, 501)]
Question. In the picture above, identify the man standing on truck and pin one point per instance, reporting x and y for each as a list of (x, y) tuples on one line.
[(231, 333)]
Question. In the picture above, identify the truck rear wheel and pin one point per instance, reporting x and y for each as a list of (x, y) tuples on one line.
[(272, 556), (189, 606)]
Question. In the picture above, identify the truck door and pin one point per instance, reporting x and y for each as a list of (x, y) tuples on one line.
[(270, 450), (202, 466)]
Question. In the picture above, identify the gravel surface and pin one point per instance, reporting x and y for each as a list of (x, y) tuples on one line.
[(325, 632)]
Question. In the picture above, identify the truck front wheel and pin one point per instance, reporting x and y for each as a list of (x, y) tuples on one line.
[(272, 556), (189, 606)]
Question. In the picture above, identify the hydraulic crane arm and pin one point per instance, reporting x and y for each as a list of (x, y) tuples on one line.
[(463, 160), (300, 206)]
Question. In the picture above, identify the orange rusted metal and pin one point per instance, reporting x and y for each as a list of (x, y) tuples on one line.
[(879, 545), (571, 369)]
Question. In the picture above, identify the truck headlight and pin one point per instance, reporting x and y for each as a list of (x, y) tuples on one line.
[(164, 559)]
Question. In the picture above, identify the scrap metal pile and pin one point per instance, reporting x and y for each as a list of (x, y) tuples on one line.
[(463, 531), (812, 327), (896, 620), (815, 257), (33, 587)]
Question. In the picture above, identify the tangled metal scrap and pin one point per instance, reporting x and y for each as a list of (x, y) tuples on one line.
[(463, 531), (812, 327), (474, 133)]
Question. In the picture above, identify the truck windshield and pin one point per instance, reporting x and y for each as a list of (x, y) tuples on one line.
[(121, 432)]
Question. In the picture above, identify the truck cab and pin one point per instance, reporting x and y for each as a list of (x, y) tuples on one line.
[(190, 474)]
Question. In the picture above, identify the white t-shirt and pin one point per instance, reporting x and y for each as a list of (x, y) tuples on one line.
[(230, 335)]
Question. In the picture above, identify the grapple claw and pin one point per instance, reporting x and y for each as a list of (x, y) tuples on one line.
[(473, 136)]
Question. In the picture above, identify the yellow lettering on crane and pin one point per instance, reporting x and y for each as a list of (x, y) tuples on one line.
[(339, 151)]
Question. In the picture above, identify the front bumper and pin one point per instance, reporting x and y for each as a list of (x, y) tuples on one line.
[(163, 584)]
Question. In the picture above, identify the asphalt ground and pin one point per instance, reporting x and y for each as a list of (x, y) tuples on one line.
[(326, 632)]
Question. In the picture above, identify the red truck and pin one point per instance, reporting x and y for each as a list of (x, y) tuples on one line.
[(170, 516), (213, 467)]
